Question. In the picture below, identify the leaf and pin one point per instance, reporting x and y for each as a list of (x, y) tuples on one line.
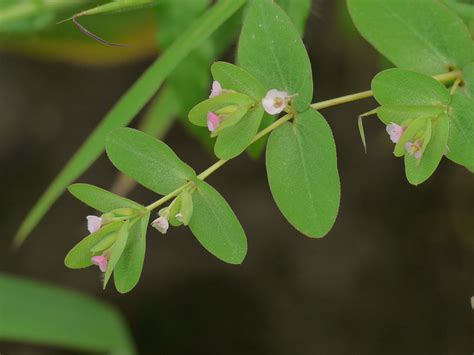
[(270, 48), (233, 140), (232, 77), (129, 267), (298, 11), (418, 171), (404, 87), (461, 131), (80, 256), (117, 250), (198, 114), (468, 80), (128, 106), (421, 35), (80, 322), (411, 132), (232, 119), (186, 208), (100, 199), (215, 225), (302, 173), (147, 160), (401, 113)]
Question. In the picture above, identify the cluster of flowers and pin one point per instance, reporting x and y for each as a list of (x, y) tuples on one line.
[(274, 102)]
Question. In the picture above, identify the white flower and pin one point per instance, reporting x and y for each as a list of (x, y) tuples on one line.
[(216, 89), (275, 101), (161, 224), (93, 223), (395, 131)]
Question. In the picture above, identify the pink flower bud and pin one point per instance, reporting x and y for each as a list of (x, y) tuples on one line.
[(275, 101), (161, 224), (213, 121), (395, 131), (101, 261), (93, 223), (414, 148), (216, 89)]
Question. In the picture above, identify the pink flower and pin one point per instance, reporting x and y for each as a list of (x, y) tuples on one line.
[(101, 261), (161, 224), (213, 121), (395, 131), (216, 89), (414, 148), (275, 101), (93, 223)]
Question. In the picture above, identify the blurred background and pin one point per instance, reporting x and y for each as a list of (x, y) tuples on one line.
[(394, 276)]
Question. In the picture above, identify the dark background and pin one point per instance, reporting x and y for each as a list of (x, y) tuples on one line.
[(394, 276)]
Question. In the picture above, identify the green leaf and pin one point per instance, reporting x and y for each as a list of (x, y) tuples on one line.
[(232, 77), (298, 11), (404, 87), (302, 173), (421, 35), (129, 266), (233, 140), (80, 256), (411, 132), (100, 199), (232, 119), (129, 105), (215, 225), (461, 131), (147, 160), (270, 48), (198, 114), (186, 208), (117, 250), (401, 113), (79, 323), (468, 80), (418, 171)]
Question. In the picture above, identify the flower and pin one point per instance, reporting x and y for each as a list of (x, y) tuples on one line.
[(395, 131), (213, 121), (93, 223), (161, 224), (101, 261), (414, 148), (216, 89), (275, 101)]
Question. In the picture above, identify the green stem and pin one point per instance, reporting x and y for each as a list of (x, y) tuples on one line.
[(443, 78)]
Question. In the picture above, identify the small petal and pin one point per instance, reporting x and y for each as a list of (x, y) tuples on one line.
[(275, 101), (395, 131), (414, 148), (216, 89), (213, 121), (101, 261), (93, 223), (161, 224)]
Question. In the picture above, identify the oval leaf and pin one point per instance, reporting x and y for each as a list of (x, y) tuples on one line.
[(117, 250), (418, 171), (405, 87), (147, 160), (233, 140), (461, 131), (232, 77), (271, 49), (302, 173), (421, 35), (400, 113), (215, 225), (100, 199), (129, 267)]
